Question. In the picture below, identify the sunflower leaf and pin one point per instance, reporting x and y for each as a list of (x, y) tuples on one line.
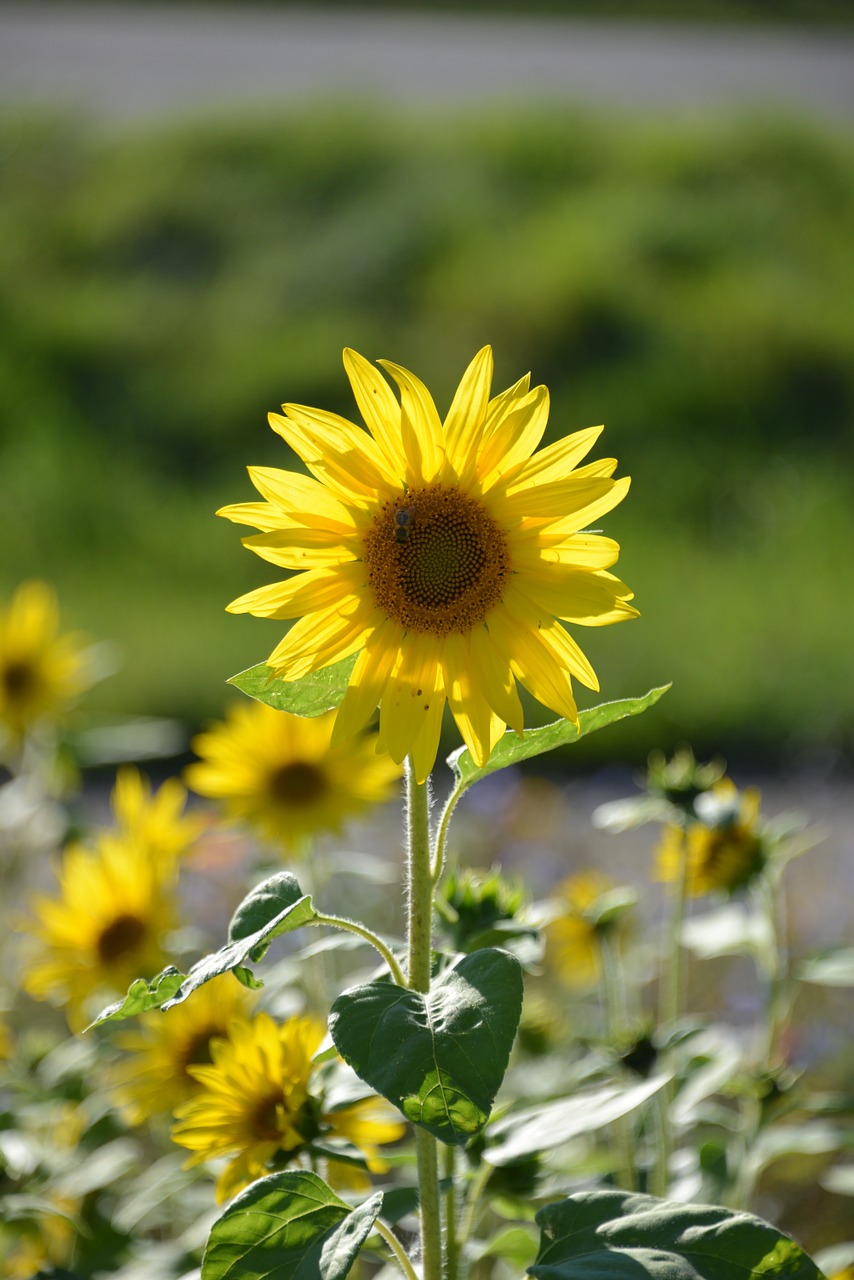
[(615, 1234), (274, 907), (311, 696), (288, 1224), (440, 1057), (513, 749), (142, 995)]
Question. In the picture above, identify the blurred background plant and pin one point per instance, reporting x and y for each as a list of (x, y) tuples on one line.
[(688, 282)]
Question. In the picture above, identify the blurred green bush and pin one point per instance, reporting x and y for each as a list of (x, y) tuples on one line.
[(688, 282)]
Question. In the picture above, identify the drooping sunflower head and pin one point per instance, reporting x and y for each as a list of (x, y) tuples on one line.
[(105, 928), (281, 774), (256, 1108), (156, 1077), (446, 553), (41, 671), (724, 849), (573, 937)]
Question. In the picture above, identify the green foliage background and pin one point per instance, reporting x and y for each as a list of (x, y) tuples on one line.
[(687, 282)]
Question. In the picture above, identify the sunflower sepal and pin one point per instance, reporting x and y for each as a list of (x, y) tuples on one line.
[(438, 1057), (288, 1223), (627, 1236), (310, 696), (512, 748)]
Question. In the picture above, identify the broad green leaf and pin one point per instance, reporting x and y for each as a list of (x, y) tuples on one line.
[(439, 1058), (286, 1226), (274, 907), (830, 969), (513, 749), (311, 696), (142, 995), (615, 1235), (527, 1132)]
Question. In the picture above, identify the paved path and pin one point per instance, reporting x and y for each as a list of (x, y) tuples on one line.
[(124, 62)]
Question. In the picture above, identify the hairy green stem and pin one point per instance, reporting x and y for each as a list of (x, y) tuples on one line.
[(438, 864), (397, 1249), (420, 943), (353, 926), (451, 1242)]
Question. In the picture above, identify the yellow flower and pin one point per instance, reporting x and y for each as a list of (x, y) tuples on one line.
[(723, 852), (156, 1078), (572, 940), (155, 821), (255, 1106), (105, 928), (41, 672), (444, 554), (280, 773)]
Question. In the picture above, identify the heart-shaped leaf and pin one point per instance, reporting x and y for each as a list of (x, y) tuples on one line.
[(513, 749), (311, 696), (614, 1235), (439, 1057), (289, 1224)]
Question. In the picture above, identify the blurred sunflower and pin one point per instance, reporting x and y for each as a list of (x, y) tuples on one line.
[(255, 1105), (442, 553), (155, 1078), (105, 928), (572, 938), (41, 671), (155, 820), (723, 847), (281, 774)]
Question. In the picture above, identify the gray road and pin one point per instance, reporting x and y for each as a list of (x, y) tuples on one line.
[(124, 63)]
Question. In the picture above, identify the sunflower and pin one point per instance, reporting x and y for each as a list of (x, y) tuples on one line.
[(724, 847), (41, 671), (444, 554), (155, 1078), (281, 774), (154, 820), (573, 943), (255, 1106), (104, 929)]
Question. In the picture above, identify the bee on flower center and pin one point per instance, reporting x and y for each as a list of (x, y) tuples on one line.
[(402, 523)]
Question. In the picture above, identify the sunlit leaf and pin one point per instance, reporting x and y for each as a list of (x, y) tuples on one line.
[(439, 1058), (840, 1180), (513, 749), (287, 1225), (532, 1130), (274, 907), (614, 1235), (142, 995), (311, 696), (830, 969)]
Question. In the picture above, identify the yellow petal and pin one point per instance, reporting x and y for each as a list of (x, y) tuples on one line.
[(379, 408), (514, 435), (301, 498), (411, 694), (421, 429), (319, 639), (533, 663), (304, 593), (479, 726), (590, 599), (498, 682), (368, 681), (301, 548), (465, 419), (555, 461)]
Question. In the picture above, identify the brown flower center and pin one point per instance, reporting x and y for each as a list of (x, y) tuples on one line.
[(19, 681), (437, 561), (120, 936), (297, 784)]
